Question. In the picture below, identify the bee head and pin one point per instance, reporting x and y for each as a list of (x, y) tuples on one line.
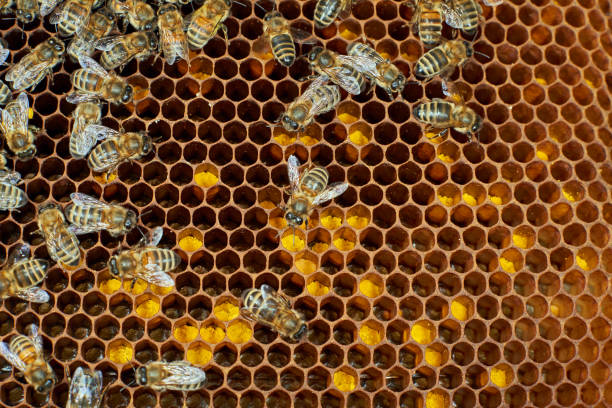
[(112, 265), (127, 94), (39, 376), (469, 50), (293, 220), (476, 125), (399, 82), (271, 14), (300, 333), (130, 220), (141, 376), (147, 144), (166, 8), (27, 153), (25, 16), (106, 12), (152, 40), (148, 25), (288, 123), (314, 53)]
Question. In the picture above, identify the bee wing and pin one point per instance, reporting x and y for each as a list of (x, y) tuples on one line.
[(20, 253), (4, 54), (33, 294), (10, 177), (11, 357), (82, 229), (248, 314), (267, 290), (78, 97), (452, 91), (58, 14), (173, 46), (22, 75), (302, 36), (88, 201), (106, 43), (36, 339), (100, 132), (154, 275), (46, 6), (362, 64), (452, 17), (90, 64), (340, 76), (182, 372), (293, 170), (493, 3), (332, 191), (155, 236)]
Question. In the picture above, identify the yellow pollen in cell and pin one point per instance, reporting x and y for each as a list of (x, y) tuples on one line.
[(120, 352), (343, 244), (158, 290), (226, 311), (320, 247), (357, 222), (316, 288), (190, 243), (239, 332), (445, 158), (541, 81), (268, 205), (278, 222), (148, 308), (446, 200), (331, 222), (459, 310), (348, 34), (469, 199), (185, 333), (347, 118), (358, 137), (433, 357), (199, 355), (507, 265), (305, 266), (496, 200), (369, 335), (502, 375), (582, 263), (423, 332), (284, 139), (139, 286), (520, 241), (436, 399), (292, 242), (369, 288), (542, 155), (308, 140), (344, 381), (212, 333), (206, 179), (110, 286), (569, 196)]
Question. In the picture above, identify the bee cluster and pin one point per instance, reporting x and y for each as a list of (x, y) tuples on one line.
[(395, 357)]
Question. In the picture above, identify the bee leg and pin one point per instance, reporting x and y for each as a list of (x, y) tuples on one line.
[(133, 284), (308, 78), (223, 28)]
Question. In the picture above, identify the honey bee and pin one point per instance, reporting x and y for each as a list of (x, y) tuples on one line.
[(85, 389), (5, 91), (317, 99), (427, 20), (62, 243), (270, 308), (443, 59), (116, 148), (340, 69), (99, 25), (175, 375), (20, 275), (32, 68), (29, 10), (379, 70), (279, 36), (25, 353), (172, 37), (14, 126), (118, 51), (146, 261), (139, 14), (85, 114), (307, 191), (72, 16), (92, 81), (203, 24), (442, 114), (470, 14), (86, 214), (11, 196), (6, 7), (326, 11)]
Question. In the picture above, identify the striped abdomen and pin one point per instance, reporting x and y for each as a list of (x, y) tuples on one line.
[(165, 258), (30, 273), (264, 309), (83, 215), (430, 27), (24, 348), (103, 156), (5, 93), (11, 197), (468, 9), (330, 94), (434, 112), (68, 248), (116, 56), (431, 63), (363, 50), (315, 180), (326, 12), (283, 49), (86, 80), (77, 18)]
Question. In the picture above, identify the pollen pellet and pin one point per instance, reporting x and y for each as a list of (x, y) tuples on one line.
[(139, 286), (343, 244), (120, 352), (199, 354), (305, 266), (433, 357), (347, 118), (358, 138), (520, 241), (331, 222), (212, 333), (369, 288), (278, 222), (190, 244), (357, 222), (507, 265), (110, 286), (308, 140), (158, 290), (148, 308), (320, 247), (436, 399), (496, 200), (205, 179), (447, 201), (185, 333), (369, 335), (502, 375), (289, 244), (469, 199), (344, 381), (268, 205), (446, 158), (284, 139), (315, 288), (423, 332), (542, 155), (459, 310), (239, 332), (226, 311)]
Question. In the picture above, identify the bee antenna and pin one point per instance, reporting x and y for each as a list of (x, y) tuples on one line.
[(237, 2), (260, 6), (482, 53)]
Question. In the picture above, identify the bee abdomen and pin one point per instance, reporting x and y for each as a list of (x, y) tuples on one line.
[(433, 112), (111, 59), (431, 63), (430, 28), (361, 49), (5, 93), (316, 180), (165, 258), (102, 154), (68, 252), (330, 94), (30, 273), (326, 12), (283, 49), (11, 197), (79, 215), (23, 347), (469, 13), (85, 81)]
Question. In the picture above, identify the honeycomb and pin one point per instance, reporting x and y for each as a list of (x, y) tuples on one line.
[(452, 272)]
